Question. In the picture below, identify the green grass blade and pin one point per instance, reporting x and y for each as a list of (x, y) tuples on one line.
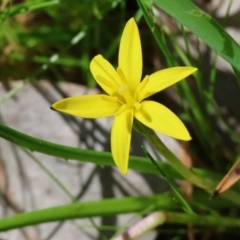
[(159, 38), (198, 117), (49, 173), (111, 207), (203, 220), (108, 207), (70, 62), (26, 7), (66, 152), (205, 27), (100, 158), (186, 207)]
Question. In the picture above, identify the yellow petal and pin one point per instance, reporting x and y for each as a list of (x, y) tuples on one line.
[(88, 106), (120, 139), (105, 74), (130, 55), (161, 119), (163, 79)]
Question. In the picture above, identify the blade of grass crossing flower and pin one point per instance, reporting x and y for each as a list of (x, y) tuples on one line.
[(186, 207), (100, 158), (104, 158), (66, 152)]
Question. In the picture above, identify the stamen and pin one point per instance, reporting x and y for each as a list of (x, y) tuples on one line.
[(109, 98), (121, 110), (105, 82), (121, 89), (137, 105), (125, 95), (121, 75), (140, 88)]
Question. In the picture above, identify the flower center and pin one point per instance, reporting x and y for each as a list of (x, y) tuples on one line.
[(126, 99), (125, 95)]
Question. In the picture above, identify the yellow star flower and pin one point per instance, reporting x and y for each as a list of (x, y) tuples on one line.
[(126, 94)]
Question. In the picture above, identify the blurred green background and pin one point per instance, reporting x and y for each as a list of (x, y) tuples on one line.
[(59, 37)]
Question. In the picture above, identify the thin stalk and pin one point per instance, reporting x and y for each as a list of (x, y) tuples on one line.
[(105, 159), (186, 207), (60, 185), (207, 185), (201, 220), (197, 115), (187, 173), (106, 207)]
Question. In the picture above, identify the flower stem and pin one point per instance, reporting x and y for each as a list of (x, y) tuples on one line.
[(187, 173), (206, 184)]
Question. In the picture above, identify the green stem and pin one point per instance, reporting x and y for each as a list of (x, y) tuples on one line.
[(83, 155), (105, 159), (209, 220), (61, 186), (184, 171), (107, 207), (73, 199), (185, 206), (13, 91), (177, 164), (198, 115), (159, 38)]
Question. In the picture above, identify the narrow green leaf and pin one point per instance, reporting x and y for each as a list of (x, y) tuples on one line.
[(99, 158), (111, 207), (70, 62), (66, 152), (205, 27), (26, 7), (203, 220), (108, 207), (186, 207), (198, 119)]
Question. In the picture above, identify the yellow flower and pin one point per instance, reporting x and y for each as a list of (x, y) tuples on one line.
[(126, 94)]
